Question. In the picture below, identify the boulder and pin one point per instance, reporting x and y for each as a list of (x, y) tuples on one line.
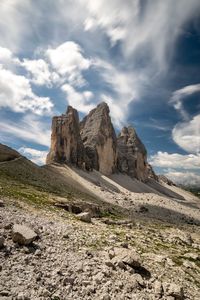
[(99, 138), (23, 235), (132, 154), (174, 290), (66, 143), (85, 217), (125, 257)]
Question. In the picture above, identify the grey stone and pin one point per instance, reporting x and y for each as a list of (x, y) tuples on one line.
[(174, 290), (158, 288), (23, 235), (85, 217)]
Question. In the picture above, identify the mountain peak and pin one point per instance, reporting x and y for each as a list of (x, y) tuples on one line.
[(92, 144)]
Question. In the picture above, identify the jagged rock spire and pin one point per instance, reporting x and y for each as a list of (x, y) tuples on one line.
[(92, 144), (66, 143), (99, 139), (132, 154)]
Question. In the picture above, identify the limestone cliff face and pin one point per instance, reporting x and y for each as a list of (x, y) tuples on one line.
[(66, 143), (99, 140), (132, 155), (92, 144)]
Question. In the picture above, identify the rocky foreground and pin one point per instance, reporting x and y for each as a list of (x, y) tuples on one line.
[(56, 255)]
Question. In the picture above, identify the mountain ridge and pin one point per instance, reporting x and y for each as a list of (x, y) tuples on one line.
[(92, 144)]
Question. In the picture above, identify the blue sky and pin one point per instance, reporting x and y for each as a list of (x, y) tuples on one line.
[(140, 56)]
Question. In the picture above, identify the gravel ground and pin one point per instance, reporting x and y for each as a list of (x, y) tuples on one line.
[(71, 259)]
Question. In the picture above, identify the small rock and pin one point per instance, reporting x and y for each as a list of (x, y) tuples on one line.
[(22, 296), (23, 235), (85, 217), (105, 297), (66, 236), (2, 203), (127, 257), (193, 256), (111, 254), (189, 264), (174, 290), (68, 280), (121, 265), (124, 245), (2, 240), (158, 288), (139, 279), (4, 293), (143, 209), (110, 264), (8, 226)]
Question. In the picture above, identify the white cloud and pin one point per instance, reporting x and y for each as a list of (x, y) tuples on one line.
[(40, 73), (187, 135), (14, 22), (179, 95), (68, 60), (37, 156), (5, 54), (82, 101), (7, 58), (184, 178), (175, 160), (122, 85), (30, 128), (112, 16), (17, 95), (138, 27), (185, 91)]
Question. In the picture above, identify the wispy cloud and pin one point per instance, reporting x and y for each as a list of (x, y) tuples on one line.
[(179, 95), (30, 128), (37, 156), (82, 101), (187, 135), (190, 179), (175, 160), (136, 25)]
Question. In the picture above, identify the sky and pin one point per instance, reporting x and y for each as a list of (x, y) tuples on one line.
[(142, 57)]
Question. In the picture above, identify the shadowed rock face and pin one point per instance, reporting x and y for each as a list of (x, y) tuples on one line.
[(132, 155), (7, 154), (151, 173), (99, 140), (66, 143)]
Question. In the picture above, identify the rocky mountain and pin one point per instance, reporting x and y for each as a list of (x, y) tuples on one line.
[(66, 142), (70, 234), (99, 138), (132, 154), (93, 144)]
